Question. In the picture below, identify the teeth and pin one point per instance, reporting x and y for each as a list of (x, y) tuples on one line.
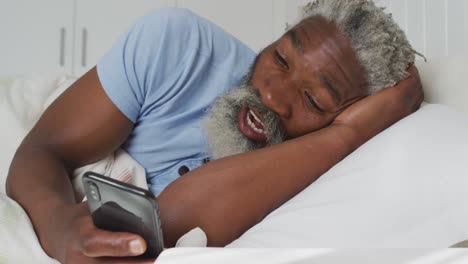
[(252, 125), (256, 117)]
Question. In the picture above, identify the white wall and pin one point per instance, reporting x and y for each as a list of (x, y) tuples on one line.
[(31, 29), (435, 27)]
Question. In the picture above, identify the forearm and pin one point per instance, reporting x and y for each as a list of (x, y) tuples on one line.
[(38, 181), (228, 196)]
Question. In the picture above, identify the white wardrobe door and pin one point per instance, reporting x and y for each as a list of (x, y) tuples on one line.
[(36, 36), (250, 21), (99, 24)]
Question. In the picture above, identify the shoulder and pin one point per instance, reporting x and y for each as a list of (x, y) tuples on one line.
[(162, 25), (169, 17), (173, 22), (181, 28)]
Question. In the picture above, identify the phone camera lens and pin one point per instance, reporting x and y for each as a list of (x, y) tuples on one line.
[(94, 191)]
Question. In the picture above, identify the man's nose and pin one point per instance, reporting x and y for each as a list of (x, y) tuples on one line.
[(277, 99)]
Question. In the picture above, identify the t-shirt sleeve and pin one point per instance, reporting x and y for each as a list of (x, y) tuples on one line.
[(143, 57)]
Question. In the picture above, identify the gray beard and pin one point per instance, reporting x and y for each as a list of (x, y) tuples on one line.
[(222, 125)]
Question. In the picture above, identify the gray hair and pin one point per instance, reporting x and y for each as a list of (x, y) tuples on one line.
[(380, 45)]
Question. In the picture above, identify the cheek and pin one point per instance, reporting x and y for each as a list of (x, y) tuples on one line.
[(298, 127), (266, 72), (269, 78)]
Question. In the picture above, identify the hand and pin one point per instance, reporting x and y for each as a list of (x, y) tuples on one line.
[(371, 115), (83, 243)]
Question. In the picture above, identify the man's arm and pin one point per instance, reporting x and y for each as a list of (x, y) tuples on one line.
[(227, 197), (81, 127), (224, 198)]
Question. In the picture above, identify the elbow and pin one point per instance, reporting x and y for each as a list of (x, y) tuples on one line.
[(178, 221), (16, 172), (10, 182), (8, 190), (182, 211), (20, 168)]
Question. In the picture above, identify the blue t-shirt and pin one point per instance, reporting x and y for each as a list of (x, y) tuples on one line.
[(164, 74)]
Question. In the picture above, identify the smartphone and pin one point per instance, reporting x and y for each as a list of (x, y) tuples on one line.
[(119, 207)]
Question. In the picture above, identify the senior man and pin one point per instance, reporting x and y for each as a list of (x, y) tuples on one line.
[(303, 106)]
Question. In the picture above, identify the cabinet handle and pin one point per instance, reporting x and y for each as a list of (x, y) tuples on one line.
[(62, 46), (84, 46)]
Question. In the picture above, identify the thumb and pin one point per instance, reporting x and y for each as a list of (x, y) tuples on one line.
[(101, 243)]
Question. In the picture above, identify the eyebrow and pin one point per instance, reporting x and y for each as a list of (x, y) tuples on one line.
[(295, 40), (331, 88)]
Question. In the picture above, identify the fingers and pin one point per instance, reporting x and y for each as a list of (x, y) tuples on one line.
[(86, 244), (412, 69), (412, 78), (100, 243)]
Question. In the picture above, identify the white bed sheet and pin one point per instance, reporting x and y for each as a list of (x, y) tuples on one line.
[(310, 256), (18, 242)]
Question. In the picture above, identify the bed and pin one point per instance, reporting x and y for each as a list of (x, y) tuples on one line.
[(406, 188)]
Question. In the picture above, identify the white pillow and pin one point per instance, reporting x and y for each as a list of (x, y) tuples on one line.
[(407, 187), (22, 101), (18, 242)]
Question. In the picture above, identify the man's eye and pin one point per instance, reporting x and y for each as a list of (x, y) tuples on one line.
[(281, 60), (312, 102)]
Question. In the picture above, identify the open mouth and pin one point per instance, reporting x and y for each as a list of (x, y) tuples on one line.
[(251, 125)]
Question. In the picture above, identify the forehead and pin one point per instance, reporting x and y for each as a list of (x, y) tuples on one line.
[(323, 49)]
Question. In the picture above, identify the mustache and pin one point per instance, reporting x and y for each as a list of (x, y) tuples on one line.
[(224, 135), (247, 95)]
